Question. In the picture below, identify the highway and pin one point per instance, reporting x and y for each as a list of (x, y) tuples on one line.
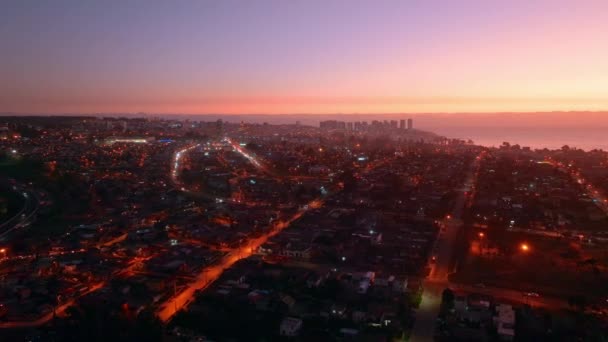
[(16, 217), (25, 216)]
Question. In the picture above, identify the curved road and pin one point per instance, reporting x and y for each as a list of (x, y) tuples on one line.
[(24, 216), (211, 273)]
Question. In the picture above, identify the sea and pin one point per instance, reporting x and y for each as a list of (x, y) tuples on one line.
[(586, 138)]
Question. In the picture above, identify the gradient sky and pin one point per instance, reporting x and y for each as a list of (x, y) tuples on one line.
[(290, 56)]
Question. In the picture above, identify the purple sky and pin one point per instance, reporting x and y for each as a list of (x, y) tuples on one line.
[(302, 56)]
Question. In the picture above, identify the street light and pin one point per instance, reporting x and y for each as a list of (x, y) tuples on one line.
[(524, 247), (481, 235)]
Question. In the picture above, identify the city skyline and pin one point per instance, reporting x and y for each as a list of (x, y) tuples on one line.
[(236, 57)]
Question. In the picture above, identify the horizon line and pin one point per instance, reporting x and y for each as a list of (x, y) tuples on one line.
[(308, 114)]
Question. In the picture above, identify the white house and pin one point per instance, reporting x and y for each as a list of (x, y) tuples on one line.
[(505, 322)]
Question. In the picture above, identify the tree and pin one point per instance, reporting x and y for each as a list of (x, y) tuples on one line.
[(147, 327), (447, 298), (578, 301), (349, 180)]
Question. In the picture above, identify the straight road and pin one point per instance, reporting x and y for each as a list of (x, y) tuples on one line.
[(595, 194), (210, 274), (437, 281)]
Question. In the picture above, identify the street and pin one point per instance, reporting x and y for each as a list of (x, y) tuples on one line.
[(437, 281), (168, 309), (208, 275)]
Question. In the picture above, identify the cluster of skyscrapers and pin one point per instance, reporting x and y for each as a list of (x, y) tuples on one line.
[(364, 126)]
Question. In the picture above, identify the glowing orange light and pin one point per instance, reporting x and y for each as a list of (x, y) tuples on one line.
[(524, 247), (481, 234)]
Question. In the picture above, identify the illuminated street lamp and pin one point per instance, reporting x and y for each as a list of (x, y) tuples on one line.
[(3, 252), (481, 235), (524, 247)]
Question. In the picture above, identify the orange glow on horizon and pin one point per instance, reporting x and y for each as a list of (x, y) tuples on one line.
[(310, 105), (301, 58)]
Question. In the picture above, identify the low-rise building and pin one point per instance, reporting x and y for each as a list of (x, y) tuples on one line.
[(290, 327)]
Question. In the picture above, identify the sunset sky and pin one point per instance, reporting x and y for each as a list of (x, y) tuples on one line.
[(288, 56)]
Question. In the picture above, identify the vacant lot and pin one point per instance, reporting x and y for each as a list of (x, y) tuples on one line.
[(549, 265)]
